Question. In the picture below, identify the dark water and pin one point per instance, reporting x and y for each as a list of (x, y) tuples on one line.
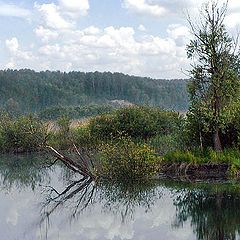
[(40, 202)]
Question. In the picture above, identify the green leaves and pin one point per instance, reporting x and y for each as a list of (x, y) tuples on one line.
[(25, 133), (136, 122), (215, 81), (122, 158)]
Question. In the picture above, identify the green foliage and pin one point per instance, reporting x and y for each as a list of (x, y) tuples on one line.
[(75, 112), (83, 137), (12, 107), (64, 126), (62, 137), (196, 129), (136, 122), (166, 143), (123, 159), (215, 76), (54, 89), (25, 133), (181, 157), (228, 156), (231, 130)]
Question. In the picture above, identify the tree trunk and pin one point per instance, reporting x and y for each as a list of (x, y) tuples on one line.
[(216, 141)]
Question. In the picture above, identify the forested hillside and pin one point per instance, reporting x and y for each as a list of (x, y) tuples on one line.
[(30, 91)]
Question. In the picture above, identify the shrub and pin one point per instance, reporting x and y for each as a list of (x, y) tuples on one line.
[(123, 159), (83, 138), (25, 133), (136, 122), (164, 143), (103, 127)]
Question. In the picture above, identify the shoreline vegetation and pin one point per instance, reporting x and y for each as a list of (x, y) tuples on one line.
[(134, 142), (140, 142)]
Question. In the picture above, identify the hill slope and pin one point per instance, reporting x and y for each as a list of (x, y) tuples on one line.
[(30, 91)]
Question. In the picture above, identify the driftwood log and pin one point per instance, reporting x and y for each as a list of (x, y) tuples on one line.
[(82, 167)]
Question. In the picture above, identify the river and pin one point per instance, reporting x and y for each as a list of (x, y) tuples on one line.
[(43, 202)]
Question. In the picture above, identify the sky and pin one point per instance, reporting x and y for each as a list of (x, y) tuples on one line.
[(137, 37)]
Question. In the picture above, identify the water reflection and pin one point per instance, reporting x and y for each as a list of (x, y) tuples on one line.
[(123, 199), (213, 211), (76, 196), (22, 171), (120, 199), (54, 203)]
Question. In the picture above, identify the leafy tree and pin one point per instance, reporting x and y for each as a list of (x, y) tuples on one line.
[(215, 81)]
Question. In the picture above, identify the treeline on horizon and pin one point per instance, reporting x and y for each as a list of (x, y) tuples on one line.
[(24, 91)]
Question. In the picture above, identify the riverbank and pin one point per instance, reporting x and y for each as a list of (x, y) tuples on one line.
[(195, 172), (130, 143)]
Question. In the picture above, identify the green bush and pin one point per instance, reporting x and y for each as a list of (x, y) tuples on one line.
[(136, 122), (82, 137), (164, 143), (103, 127), (124, 159), (61, 137), (25, 133)]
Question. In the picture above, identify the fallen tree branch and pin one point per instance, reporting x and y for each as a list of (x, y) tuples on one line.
[(73, 165)]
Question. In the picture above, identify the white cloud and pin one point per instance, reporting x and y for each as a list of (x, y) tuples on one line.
[(64, 46), (52, 50), (17, 55), (62, 16), (10, 65), (181, 34), (114, 49), (158, 46), (233, 6), (176, 8), (12, 45), (233, 20), (11, 10), (144, 7), (75, 8), (92, 30), (45, 34), (141, 28), (52, 17), (162, 8)]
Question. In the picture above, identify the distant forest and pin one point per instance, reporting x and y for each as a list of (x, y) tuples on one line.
[(29, 91)]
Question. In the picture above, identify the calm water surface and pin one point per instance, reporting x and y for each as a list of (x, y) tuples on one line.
[(42, 202)]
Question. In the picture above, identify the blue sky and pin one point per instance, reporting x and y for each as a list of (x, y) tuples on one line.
[(138, 37)]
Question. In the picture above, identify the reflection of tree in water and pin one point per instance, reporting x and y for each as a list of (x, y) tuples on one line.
[(75, 197), (214, 213), (117, 198), (122, 199), (23, 171)]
